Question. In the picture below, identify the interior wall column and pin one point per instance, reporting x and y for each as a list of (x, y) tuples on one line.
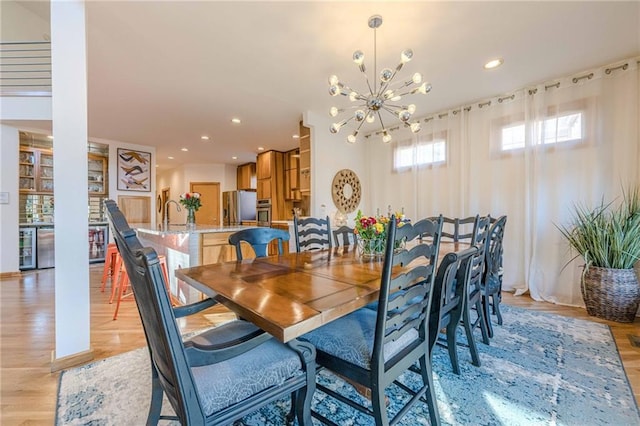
[(69, 112)]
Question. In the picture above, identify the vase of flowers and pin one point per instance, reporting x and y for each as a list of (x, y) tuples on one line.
[(191, 201), (371, 233)]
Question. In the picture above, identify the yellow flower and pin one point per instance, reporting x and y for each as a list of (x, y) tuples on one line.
[(379, 228)]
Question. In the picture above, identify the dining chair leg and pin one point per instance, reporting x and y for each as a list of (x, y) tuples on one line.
[(466, 318), (115, 278), (123, 284), (452, 345), (379, 405), (497, 299), (109, 264), (430, 394), (486, 311), (484, 328)]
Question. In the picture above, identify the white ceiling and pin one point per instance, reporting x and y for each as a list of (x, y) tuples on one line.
[(164, 73)]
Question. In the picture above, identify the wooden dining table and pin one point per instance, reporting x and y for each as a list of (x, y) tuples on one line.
[(291, 294)]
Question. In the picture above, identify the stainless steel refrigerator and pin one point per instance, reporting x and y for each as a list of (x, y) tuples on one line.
[(238, 206)]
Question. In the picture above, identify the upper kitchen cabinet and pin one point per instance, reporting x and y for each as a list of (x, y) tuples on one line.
[(97, 177), (305, 160), (270, 174), (246, 177), (35, 170), (292, 175)]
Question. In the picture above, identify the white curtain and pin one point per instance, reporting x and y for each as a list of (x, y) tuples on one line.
[(530, 154)]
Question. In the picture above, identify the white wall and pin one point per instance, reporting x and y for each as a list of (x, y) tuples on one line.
[(179, 178), (325, 164), (9, 142)]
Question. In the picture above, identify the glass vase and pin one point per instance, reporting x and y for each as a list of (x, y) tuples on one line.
[(371, 247), (191, 218)]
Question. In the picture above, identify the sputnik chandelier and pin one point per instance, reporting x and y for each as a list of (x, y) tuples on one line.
[(383, 97)]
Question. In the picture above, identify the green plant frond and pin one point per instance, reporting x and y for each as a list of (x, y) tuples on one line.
[(606, 235)]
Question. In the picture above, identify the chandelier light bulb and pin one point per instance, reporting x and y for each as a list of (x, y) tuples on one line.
[(358, 57), (388, 94), (334, 90), (411, 108), (352, 138), (353, 96), (371, 118), (424, 88), (359, 115), (417, 78), (404, 116), (386, 138), (406, 56), (333, 80), (386, 75), (396, 98), (415, 127), (333, 111), (335, 127)]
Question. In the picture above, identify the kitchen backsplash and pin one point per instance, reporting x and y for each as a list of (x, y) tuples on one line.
[(38, 208)]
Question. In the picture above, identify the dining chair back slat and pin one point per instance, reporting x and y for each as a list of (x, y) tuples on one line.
[(344, 233), (259, 239), (312, 233)]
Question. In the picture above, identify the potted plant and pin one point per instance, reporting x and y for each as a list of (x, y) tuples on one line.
[(607, 237)]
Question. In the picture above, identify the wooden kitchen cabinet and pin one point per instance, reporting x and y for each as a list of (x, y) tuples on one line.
[(35, 171), (292, 175), (97, 176), (264, 165), (246, 178), (305, 160), (264, 189), (215, 248)]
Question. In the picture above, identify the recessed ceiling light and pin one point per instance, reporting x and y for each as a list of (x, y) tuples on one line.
[(494, 63), (296, 136), (260, 148), (170, 158), (235, 121), (204, 138), (184, 149), (234, 158)]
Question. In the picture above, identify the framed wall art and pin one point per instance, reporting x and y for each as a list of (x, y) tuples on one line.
[(134, 170)]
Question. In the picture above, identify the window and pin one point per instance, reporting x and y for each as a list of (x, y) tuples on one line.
[(421, 153), (555, 130)]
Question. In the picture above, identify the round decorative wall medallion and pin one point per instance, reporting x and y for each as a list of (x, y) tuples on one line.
[(346, 191)]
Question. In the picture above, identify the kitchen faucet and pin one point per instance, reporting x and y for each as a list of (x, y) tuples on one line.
[(166, 212)]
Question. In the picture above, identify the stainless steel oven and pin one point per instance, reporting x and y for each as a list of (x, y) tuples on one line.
[(263, 212)]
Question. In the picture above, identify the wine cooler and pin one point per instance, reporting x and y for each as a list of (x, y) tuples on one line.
[(27, 244)]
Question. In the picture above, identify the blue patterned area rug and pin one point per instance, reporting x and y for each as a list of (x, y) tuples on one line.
[(540, 369)]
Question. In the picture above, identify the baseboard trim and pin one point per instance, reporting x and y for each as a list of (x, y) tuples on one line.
[(70, 360), (14, 274)]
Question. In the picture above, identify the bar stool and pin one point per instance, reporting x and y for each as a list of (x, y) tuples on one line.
[(109, 266), (122, 281)]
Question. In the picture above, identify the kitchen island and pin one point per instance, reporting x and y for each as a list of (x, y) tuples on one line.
[(185, 247)]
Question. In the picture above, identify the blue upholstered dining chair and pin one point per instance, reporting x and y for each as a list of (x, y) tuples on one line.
[(491, 285), (373, 348), (219, 375), (259, 239), (312, 233)]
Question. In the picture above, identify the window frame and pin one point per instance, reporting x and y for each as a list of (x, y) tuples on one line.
[(428, 140)]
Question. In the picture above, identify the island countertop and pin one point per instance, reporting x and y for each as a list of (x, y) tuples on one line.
[(182, 229)]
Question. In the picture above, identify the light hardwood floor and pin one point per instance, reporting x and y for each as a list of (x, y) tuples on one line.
[(28, 389)]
